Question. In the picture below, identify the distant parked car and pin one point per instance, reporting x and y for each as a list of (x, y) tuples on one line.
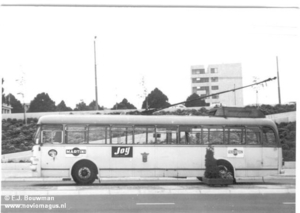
[(180, 106)]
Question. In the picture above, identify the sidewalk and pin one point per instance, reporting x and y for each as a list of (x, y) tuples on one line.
[(117, 186)]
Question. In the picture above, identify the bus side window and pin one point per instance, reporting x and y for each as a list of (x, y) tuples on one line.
[(167, 135), (76, 134), (52, 133), (195, 135), (268, 137), (253, 136), (121, 135), (185, 135), (236, 136), (216, 136), (47, 137), (98, 134), (144, 135)]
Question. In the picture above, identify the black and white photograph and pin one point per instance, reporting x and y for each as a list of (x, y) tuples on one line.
[(146, 106)]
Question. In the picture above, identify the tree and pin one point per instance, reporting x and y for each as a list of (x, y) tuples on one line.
[(42, 103), (93, 104), (156, 99), (81, 107), (17, 107), (62, 107), (196, 103), (124, 104)]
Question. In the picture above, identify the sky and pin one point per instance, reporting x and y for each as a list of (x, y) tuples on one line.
[(52, 49)]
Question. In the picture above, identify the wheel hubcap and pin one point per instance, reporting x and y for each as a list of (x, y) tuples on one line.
[(84, 173)]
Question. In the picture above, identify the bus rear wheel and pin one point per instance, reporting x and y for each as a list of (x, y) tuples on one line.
[(226, 170), (84, 173)]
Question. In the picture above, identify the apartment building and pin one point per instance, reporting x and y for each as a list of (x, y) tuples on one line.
[(217, 78)]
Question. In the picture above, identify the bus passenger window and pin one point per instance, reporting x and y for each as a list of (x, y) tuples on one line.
[(216, 136), (269, 138), (52, 133), (184, 137), (236, 136), (121, 135), (253, 136), (205, 136), (76, 134), (195, 136), (190, 135), (98, 134), (144, 135), (168, 135)]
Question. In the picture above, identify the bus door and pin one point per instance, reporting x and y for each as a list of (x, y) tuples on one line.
[(270, 149), (52, 151)]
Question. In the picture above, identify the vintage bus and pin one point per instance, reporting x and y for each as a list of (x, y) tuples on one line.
[(87, 147)]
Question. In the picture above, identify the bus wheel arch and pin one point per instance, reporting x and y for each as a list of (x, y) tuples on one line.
[(226, 166), (84, 172)]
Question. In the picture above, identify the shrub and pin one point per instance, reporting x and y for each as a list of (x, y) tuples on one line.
[(211, 168)]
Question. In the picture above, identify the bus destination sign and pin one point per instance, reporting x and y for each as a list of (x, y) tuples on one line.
[(121, 151)]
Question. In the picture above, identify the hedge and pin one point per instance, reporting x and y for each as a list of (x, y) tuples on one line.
[(17, 137)]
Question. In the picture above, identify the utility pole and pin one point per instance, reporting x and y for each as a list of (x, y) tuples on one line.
[(24, 106), (96, 89), (279, 98)]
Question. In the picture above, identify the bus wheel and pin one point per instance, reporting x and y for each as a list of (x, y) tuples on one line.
[(84, 173), (225, 171)]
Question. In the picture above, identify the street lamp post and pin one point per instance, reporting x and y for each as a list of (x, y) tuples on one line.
[(96, 90), (279, 97)]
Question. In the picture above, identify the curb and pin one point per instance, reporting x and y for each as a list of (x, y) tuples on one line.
[(133, 178), (70, 179), (165, 191)]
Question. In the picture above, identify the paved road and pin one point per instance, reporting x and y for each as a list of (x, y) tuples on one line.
[(211, 203), (149, 196), (109, 187)]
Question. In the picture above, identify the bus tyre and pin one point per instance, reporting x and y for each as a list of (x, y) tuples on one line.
[(226, 171), (84, 173), (223, 171)]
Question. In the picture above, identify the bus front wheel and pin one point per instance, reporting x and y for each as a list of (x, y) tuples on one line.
[(84, 173)]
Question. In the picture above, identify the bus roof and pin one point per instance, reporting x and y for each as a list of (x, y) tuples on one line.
[(152, 120)]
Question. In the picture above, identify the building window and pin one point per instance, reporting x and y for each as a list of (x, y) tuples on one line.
[(200, 80), (204, 88), (214, 79), (198, 71), (204, 80), (215, 87), (213, 70), (215, 96)]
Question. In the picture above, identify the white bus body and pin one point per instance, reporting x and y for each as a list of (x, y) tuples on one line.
[(84, 147)]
